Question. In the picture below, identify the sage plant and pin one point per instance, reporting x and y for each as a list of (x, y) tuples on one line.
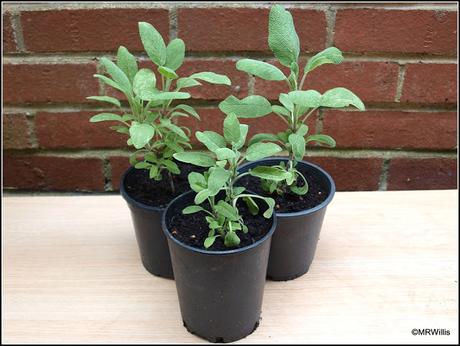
[(150, 123)]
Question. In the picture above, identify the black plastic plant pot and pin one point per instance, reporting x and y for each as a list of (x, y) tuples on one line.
[(294, 242), (151, 240), (220, 292)]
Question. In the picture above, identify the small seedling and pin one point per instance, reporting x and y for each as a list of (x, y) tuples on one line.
[(217, 184), (150, 122), (295, 107)]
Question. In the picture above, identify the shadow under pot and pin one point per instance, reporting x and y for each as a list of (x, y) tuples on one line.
[(147, 200), (300, 219), (220, 292)]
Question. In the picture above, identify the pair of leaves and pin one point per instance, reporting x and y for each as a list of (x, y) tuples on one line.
[(250, 107)]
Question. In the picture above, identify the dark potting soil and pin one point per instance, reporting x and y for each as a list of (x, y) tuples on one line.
[(158, 193), (192, 229), (318, 191)]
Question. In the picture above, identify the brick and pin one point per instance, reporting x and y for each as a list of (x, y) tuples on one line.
[(89, 29), (422, 174), (244, 29), (9, 43), (430, 83), (392, 129), (24, 83), (73, 130), (52, 173), (212, 120), (351, 174), (118, 165), (371, 81), (16, 133), (402, 31)]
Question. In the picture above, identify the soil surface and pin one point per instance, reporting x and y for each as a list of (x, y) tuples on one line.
[(192, 229), (158, 194), (318, 191)]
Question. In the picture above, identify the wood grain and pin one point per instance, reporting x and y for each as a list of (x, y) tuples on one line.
[(387, 262)]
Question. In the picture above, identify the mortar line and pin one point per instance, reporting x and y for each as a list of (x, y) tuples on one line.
[(399, 87), (251, 84), (31, 129), (383, 179), (17, 31), (330, 14), (172, 23), (319, 121), (107, 169)]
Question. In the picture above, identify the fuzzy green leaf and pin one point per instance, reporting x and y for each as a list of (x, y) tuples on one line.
[(127, 63), (268, 172), (225, 154), (211, 77), (262, 137), (201, 196), (227, 210), (271, 204), (211, 140), (232, 132), (195, 158), (141, 134), (153, 43), (330, 55), (302, 130), (107, 99), (117, 75), (217, 179), (144, 84), (105, 117), (341, 97), (282, 37), (286, 102), (171, 166), (186, 82), (305, 98), (111, 83), (192, 209), (197, 181), (244, 132), (260, 69), (322, 139), (210, 240), (280, 110), (250, 107), (188, 109), (167, 72), (231, 239), (169, 95), (175, 53), (258, 151), (298, 146)]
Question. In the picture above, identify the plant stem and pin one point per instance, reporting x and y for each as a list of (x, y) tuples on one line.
[(302, 81)]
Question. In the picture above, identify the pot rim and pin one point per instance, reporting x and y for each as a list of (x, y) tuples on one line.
[(208, 252), (318, 168), (130, 199)]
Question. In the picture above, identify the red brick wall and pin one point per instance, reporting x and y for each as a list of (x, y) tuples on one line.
[(400, 59)]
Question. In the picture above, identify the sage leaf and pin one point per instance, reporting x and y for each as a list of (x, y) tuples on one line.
[(140, 134), (341, 97), (153, 43), (231, 239), (211, 140), (322, 139), (117, 75), (210, 240), (195, 158), (197, 181), (232, 132), (330, 55), (250, 107), (186, 82), (260, 69), (243, 133), (225, 154), (167, 72), (127, 63), (211, 77), (192, 209), (217, 179), (269, 172), (144, 84), (107, 99), (305, 98), (227, 210), (298, 145), (175, 53), (262, 137), (258, 151), (282, 37), (105, 117)]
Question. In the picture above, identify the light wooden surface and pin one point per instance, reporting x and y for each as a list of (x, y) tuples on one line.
[(387, 262)]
